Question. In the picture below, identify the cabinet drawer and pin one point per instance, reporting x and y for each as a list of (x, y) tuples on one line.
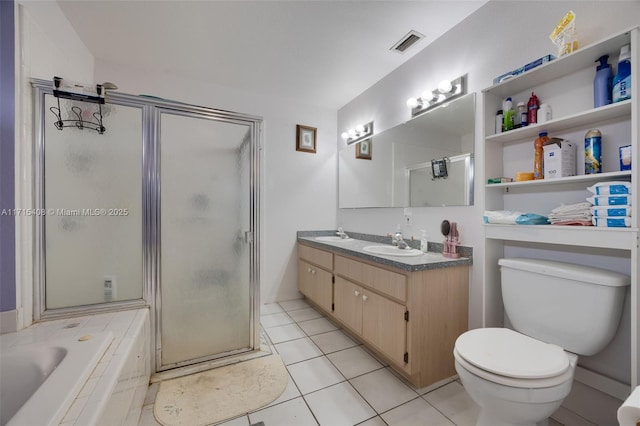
[(385, 281), (317, 257)]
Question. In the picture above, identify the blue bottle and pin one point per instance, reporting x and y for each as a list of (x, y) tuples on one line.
[(602, 83), (622, 80)]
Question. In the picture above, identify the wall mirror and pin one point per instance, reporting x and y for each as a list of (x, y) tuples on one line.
[(424, 162)]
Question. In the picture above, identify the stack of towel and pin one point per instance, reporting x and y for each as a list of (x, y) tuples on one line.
[(611, 203), (572, 214)]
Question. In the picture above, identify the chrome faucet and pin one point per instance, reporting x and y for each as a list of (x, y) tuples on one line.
[(342, 234), (397, 240)]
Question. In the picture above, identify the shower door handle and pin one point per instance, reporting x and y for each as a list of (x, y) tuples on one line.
[(248, 237)]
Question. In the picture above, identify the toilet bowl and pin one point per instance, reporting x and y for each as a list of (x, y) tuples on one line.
[(516, 380), (521, 376)]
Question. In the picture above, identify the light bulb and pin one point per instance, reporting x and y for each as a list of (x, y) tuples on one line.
[(412, 102), (353, 133), (441, 98), (345, 135), (427, 95), (444, 86), (360, 128)]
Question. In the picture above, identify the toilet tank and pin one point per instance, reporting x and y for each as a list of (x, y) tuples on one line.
[(575, 307)]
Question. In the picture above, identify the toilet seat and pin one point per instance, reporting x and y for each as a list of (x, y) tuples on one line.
[(507, 357)]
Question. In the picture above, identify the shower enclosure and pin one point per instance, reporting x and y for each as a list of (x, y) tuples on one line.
[(162, 209)]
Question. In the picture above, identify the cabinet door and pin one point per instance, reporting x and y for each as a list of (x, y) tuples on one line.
[(384, 326), (305, 278), (322, 288), (348, 303)]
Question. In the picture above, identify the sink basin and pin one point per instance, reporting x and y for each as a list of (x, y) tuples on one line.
[(333, 239), (392, 251)]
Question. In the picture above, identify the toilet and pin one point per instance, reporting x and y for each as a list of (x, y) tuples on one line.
[(558, 311)]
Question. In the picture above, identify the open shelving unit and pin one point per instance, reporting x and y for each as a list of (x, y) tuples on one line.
[(566, 84)]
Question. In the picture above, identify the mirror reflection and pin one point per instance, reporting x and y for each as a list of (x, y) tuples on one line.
[(426, 161)]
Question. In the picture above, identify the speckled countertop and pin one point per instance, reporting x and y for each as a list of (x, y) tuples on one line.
[(354, 247)]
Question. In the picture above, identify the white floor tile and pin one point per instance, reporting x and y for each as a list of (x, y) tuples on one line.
[(354, 362), (376, 421), (283, 333), (415, 413), (270, 308), (297, 350), (339, 405), (333, 341), (304, 314), (274, 320), (382, 390), (292, 305), (314, 374), (290, 392), (291, 413), (317, 326), (238, 421), (454, 402)]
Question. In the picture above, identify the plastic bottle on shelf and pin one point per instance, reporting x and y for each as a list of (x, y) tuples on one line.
[(538, 167), (592, 152), (521, 119), (622, 80), (602, 83), (544, 113), (499, 121), (508, 114), (532, 107)]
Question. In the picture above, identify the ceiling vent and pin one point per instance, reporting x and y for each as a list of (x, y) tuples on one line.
[(407, 41)]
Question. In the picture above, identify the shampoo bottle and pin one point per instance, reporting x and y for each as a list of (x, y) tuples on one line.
[(602, 83), (622, 80), (508, 114)]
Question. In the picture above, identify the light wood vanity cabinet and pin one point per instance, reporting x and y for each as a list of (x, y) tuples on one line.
[(411, 319), (315, 276)]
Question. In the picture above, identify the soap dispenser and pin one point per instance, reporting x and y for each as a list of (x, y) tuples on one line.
[(424, 242), (602, 83)]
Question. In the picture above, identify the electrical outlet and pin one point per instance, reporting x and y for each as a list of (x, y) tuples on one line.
[(407, 216), (109, 287)]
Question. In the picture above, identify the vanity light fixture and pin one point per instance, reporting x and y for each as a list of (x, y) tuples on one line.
[(446, 91), (360, 132)]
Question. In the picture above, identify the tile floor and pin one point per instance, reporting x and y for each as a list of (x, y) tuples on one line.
[(335, 381)]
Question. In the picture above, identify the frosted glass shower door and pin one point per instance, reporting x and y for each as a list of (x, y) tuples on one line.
[(205, 255)]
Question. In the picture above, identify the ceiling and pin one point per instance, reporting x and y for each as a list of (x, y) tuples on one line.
[(326, 52)]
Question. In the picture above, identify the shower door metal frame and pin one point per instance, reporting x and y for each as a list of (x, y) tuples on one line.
[(151, 108), (254, 124)]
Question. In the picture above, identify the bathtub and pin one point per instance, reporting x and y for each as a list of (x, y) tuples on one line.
[(39, 381)]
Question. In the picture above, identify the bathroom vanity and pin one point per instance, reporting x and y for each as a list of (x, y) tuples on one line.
[(408, 310)]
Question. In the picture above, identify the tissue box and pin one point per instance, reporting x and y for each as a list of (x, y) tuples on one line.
[(625, 157), (560, 159), (524, 68)]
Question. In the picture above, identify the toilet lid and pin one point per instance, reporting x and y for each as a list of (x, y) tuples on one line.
[(508, 353)]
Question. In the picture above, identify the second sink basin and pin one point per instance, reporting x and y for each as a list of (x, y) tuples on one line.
[(331, 239), (392, 251)]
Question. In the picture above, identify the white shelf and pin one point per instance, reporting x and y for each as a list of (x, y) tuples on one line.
[(583, 236), (541, 184), (511, 146), (581, 119), (582, 58)]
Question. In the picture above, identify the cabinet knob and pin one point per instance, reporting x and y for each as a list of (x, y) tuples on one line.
[(313, 272), (365, 297), (308, 269), (356, 293)]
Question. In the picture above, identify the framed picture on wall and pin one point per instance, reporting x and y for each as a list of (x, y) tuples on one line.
[(305, 138), (363, 149)]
